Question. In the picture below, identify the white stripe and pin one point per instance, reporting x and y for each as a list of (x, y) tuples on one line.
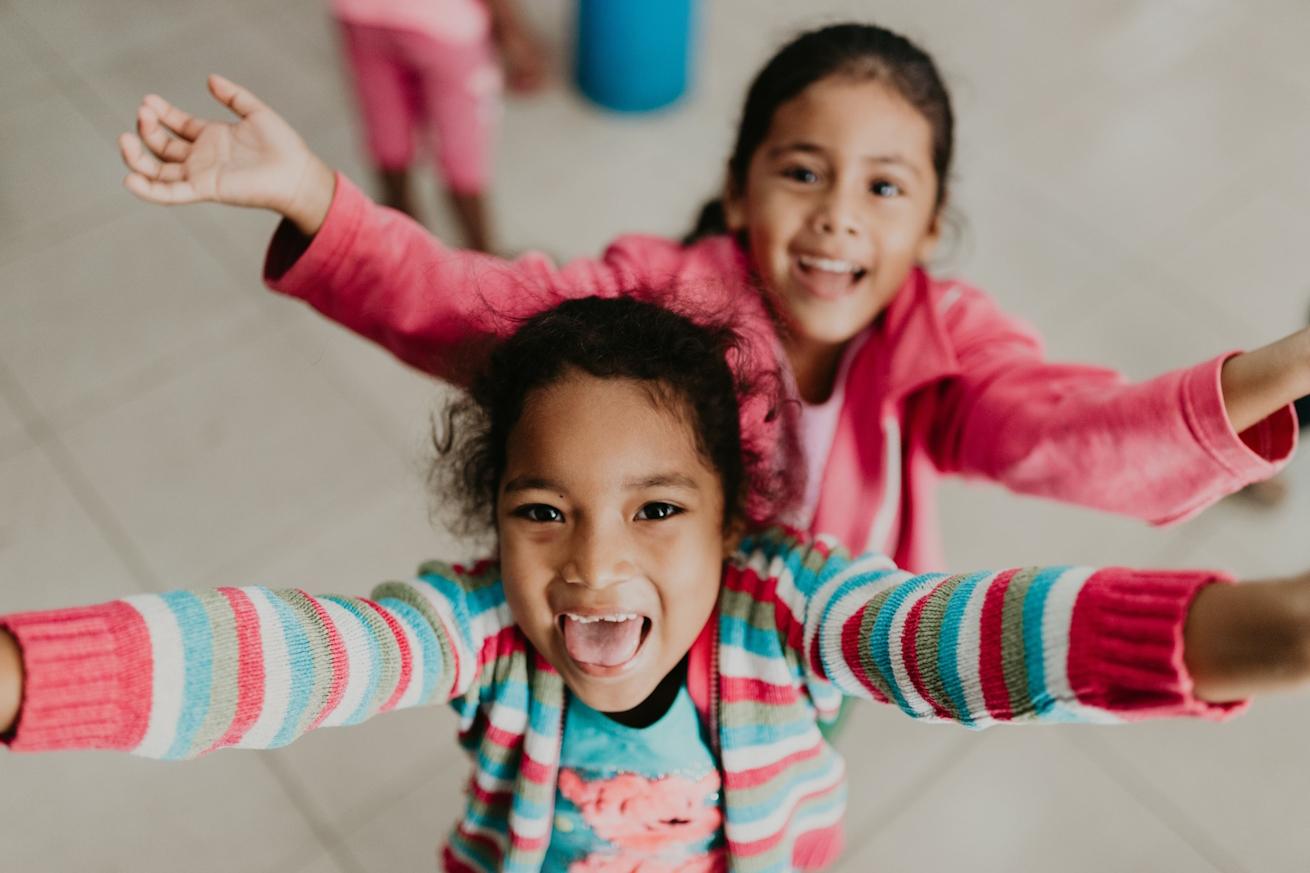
[(413, 695), (1057, 620), (968, 663), (839, 672), (542, 748), (895, 642), (786, 805), (167, 675), (738, 662), (889, 508), (750, 757), (359, 663), (277, 673)]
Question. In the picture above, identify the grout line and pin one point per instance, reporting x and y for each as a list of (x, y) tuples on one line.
[(1169, 813), (330, 839), (963, 747)]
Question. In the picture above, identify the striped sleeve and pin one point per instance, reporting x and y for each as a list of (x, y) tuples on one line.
[(177, 675), (1048, 644)]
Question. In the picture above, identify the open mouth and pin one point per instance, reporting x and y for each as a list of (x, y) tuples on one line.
[(603, 644), (827, 277)]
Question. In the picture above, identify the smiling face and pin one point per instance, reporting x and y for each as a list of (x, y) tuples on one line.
[(839, 204), (611, 535)]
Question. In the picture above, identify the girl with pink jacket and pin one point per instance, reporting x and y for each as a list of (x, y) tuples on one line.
[(833, 201)]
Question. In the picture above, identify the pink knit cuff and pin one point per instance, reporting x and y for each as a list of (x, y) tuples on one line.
[(1126, 645), (1257, 452), (86, 678), (294, 265)]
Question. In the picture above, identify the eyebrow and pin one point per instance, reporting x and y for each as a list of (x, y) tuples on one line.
[(810, 148), (657, 480)]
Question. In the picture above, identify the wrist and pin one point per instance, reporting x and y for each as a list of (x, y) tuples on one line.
[(11, 682), (312, 199)]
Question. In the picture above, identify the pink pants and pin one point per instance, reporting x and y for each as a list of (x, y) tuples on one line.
[(410, 84)]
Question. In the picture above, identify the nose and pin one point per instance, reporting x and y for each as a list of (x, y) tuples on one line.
[(835, 215), (598, 556)]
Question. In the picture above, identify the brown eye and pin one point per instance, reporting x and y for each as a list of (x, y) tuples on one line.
[(657, 511), (803, 175), (540, 513), (883, 188)]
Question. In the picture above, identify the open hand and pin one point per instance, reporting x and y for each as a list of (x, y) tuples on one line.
[(256, 161)]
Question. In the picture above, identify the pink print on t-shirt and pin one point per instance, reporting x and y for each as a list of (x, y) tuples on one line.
[(649, 820)]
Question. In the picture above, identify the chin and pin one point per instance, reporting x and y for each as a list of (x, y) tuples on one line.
[(614, 698)]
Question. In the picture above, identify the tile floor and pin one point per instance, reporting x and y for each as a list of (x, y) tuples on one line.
[(1128, 180)]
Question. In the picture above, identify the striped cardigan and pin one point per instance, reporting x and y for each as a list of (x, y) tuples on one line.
[(798, 624)]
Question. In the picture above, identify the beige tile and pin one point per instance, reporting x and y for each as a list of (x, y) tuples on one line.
[(407, 833), (248, 449), (108, 811), (59, 173), (124, 304), (888, 755), (322, 862), (1245, 264), (1133, 160), (1241, 785), (85, 32), (52, 554), (1025, 800), (13, 434)]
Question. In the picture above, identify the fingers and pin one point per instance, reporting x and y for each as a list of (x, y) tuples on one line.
[(140, 160), (156, 137), (184, 124), (167, 193), (233, 96)]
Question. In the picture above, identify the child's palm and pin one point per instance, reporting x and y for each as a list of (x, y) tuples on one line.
[(257, 161)]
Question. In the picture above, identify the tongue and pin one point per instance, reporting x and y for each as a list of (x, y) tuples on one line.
[(604, 643), (825, 283)]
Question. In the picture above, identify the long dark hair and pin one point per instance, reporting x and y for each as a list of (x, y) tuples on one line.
[(856, 50), (684, 362)]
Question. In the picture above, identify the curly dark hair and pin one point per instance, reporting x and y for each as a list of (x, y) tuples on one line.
[(684, 362)]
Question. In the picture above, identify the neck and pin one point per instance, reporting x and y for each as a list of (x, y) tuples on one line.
[(653, 708), (814, 366)]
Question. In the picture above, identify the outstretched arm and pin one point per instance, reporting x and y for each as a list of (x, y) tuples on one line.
[(1257, 384), (258, 160), (178, 675), (1054, 644)]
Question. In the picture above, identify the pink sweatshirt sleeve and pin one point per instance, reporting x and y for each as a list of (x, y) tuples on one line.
[(1160, 450), (380, 274)]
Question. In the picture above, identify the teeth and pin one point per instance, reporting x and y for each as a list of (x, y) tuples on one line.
[(828, 265), (591, 619)]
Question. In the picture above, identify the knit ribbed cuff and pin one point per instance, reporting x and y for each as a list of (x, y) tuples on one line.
[(86, 678), (1126, 645)]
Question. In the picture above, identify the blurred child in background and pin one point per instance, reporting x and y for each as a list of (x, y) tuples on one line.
[(428, 69)]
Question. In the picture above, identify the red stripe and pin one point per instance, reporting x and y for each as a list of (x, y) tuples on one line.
[(406, 658), (764, 844), (850, 653), (737, 690), (991, 671), (338, 666), (759, 775), (910, 652), (250, 667)]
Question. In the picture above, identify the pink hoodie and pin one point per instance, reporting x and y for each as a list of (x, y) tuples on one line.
[(945, 382)]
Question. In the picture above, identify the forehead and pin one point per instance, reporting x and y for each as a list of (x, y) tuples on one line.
[(602, 429), (859, 115)]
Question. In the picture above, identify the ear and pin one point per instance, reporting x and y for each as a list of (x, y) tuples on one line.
[(932, 236), (734, 209)]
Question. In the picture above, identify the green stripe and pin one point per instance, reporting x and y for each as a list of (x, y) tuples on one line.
[(867, 663), (928, 639), (319, 650), (1013, 662)]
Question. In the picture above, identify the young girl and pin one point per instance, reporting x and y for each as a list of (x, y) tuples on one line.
[(833, 200), (428, 68), (638, 684)]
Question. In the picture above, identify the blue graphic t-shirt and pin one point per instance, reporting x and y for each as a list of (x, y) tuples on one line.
[(636, 800)]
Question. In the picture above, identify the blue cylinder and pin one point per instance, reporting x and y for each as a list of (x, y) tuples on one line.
[(634, 55)]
